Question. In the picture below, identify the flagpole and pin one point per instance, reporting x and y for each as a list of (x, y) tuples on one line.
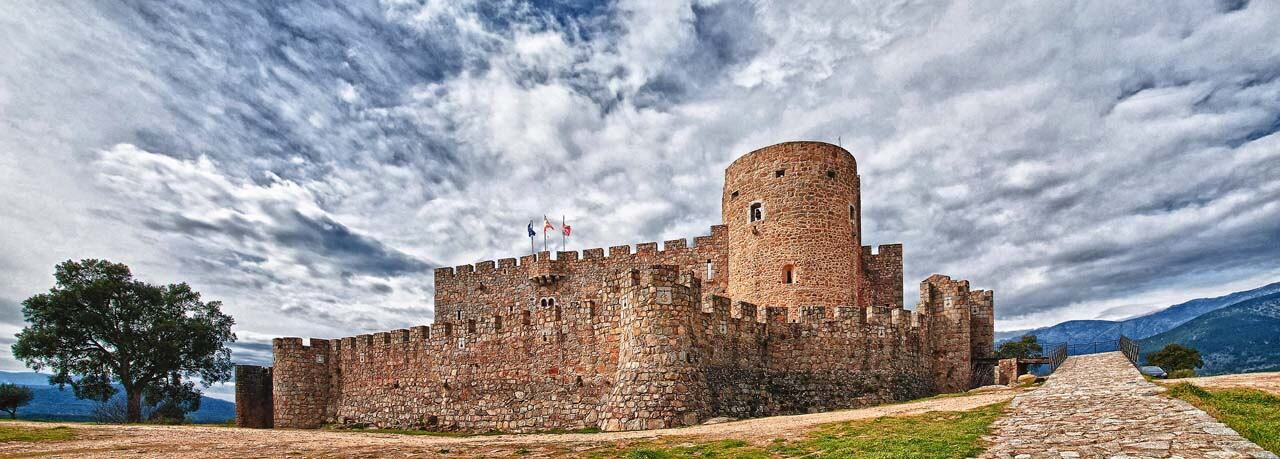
[(563, 238), (532, 248)]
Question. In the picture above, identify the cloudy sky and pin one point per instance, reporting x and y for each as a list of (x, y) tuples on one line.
[(310, 164)]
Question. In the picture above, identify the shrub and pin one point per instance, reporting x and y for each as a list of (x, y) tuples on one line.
[(1183, 373), (1176, 357)]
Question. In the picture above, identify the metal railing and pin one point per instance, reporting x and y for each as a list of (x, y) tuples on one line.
[(1130, 349), (1057, 356)]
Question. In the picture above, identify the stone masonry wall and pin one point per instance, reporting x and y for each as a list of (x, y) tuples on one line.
[(882, 276), (657, 352), (808, 193), (948, 306), (253, 397), (300, 390)]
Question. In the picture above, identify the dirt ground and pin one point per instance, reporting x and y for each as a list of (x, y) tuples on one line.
[(1269, 382), (93, 441)]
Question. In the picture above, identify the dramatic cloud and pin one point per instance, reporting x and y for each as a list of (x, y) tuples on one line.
[(309, 165)]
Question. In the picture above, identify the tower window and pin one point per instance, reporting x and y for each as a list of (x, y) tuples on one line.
[(710, 270), (779, 172), (788, 274), (853, 212), (471, 326), (733, 195), (497, 323), (459, 314), (756, 211), (831, 174)]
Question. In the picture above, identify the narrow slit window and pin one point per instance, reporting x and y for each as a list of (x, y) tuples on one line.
[(711, 270), (497, 323), (733, 195), (471, 325), (788, 274)]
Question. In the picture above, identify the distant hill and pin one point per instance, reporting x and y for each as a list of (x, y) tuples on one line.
[(50, 403), (1241, 338), (1084, 331)]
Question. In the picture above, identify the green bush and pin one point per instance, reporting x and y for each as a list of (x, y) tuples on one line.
[(1183, 373)]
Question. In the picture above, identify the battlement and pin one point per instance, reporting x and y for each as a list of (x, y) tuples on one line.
[(674, 247)]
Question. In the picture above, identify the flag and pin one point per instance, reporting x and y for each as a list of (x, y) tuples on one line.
[(565, 228), (546, 225), (532, 233)]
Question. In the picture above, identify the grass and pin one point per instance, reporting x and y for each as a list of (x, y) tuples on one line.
[(1253, 413), (10, 433), (930, 435)]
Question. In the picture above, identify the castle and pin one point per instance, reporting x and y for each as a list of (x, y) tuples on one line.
[(779, 310)]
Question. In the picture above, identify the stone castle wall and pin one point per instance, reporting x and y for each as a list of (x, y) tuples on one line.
[(254, 406), (882, 276), (656, 352)]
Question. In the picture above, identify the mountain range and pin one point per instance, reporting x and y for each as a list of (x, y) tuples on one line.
[(1086, 331), (1240, 338), (53, 404)]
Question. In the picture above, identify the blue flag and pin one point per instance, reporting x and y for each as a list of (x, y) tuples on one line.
[(532, 233)]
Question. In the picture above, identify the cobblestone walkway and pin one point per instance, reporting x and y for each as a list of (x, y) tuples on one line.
[(1098, 406)]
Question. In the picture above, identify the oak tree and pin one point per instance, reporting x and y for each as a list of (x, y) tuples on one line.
[(13, 396), (99, 325)]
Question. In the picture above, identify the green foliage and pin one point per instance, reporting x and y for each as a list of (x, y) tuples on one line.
[(13, 396), (34, 434), (1183, 373), (98, 325), (1021, 348), (1176, 357), (1253, 413), (929, 435)]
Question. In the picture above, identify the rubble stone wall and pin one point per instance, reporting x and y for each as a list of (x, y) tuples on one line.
[(253, 397), (882, 276), (809, 201), (300, 390)]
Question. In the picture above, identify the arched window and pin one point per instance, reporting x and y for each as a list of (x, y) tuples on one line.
[(756, 211), (788, 274)]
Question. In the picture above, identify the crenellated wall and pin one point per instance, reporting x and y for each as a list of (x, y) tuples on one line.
[(654, 351)]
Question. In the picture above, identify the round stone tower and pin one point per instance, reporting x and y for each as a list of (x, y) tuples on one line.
[(794, 214)]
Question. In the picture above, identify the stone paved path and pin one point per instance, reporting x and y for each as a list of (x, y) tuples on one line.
[(1098, 406)]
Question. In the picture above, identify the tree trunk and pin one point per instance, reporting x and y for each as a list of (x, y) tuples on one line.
[(135, 404)]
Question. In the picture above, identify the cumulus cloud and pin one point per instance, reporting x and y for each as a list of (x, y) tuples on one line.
[(310, 164)]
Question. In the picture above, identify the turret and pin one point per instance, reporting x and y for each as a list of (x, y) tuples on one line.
[(794, 216)]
